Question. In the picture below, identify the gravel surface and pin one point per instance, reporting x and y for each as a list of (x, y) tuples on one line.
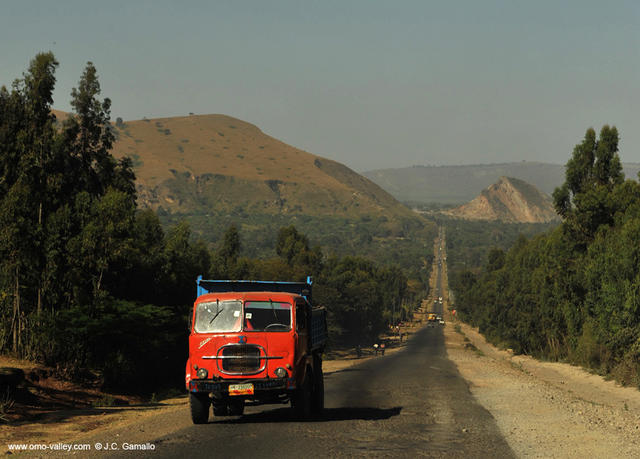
[(543, 409), (550, 410)]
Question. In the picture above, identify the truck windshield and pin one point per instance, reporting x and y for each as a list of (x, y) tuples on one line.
[(267, 316), (218, 316)]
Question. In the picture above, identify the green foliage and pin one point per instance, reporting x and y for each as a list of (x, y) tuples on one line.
[(469, 242), (293, 248), (230, 249), (92, 285), (406, 244), (74, 251), (361, 296), (574, 292), (592, 172)]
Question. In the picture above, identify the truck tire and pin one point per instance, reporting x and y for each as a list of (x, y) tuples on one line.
[(220, 409), (199, 407), (317, 400), (301, 401), (236, 407)]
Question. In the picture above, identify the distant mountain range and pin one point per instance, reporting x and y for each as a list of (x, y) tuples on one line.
[(460, 184), (509, 200)]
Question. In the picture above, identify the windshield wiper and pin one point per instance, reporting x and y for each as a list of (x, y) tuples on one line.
[(218, 311), (273, 308)]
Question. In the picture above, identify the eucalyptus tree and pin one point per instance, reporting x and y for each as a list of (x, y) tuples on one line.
[(591, 174), (27, 136)]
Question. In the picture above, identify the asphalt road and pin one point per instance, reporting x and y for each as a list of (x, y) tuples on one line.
[(410, 403)]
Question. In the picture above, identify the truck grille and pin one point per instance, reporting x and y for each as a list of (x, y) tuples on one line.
[(241, 359)]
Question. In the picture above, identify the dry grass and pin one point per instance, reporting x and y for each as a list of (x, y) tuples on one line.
[(209, 143), (248, 167)]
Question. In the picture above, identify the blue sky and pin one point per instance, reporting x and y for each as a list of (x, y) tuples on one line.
[(373, 84)]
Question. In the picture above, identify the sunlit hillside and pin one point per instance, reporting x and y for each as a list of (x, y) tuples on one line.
[(509, 200), (193, 163)]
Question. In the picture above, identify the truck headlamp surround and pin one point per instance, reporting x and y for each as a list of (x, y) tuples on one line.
[(202, 373), (281, 372)]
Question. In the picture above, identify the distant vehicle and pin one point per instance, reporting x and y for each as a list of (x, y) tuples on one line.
[(441, 322), (258, 342)]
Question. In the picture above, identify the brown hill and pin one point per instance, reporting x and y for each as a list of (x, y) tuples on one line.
[(205, 162), (509, 200), (215, 171)]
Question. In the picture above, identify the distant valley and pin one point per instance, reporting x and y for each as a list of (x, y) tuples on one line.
[(461, 184)]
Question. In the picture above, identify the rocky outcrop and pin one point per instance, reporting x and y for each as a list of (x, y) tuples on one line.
[(509, 200)]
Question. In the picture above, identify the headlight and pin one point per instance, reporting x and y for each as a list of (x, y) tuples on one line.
[(202, 373), (281, 372)]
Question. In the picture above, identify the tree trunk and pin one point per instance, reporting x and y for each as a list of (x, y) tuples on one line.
[(99, 282), (15, 323), (39, 306)]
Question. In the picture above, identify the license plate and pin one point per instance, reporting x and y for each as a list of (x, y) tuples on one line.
[(241, 389)]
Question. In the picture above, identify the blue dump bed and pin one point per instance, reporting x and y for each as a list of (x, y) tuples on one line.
[(220, 286), (319, 334)]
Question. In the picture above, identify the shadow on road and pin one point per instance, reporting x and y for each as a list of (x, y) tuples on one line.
[(328, 415)]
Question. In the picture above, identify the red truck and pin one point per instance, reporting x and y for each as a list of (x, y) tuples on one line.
[(255, 342)]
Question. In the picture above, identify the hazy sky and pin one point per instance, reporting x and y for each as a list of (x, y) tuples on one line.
[(373, 84)]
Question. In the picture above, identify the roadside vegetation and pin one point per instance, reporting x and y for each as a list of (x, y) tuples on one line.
[(572, 293), (99, 289), (469, 241)]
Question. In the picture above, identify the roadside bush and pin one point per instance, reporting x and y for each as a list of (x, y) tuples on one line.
[(589, 352)]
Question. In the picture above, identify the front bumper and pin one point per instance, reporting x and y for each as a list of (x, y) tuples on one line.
[(260, 386)]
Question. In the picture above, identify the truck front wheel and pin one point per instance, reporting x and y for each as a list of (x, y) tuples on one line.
[(301, 401), (199, 407), (236, 407), (220, 409), (317, 399)]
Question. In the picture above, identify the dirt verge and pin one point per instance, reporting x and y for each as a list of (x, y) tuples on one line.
[(545, 409)]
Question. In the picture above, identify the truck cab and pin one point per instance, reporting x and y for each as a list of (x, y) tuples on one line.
[(255, 342)]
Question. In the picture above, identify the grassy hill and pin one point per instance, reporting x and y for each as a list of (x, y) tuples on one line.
[(187, 164), (460, 184), (215, 170)]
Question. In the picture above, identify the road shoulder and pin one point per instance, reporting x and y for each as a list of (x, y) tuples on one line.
[(547, 409), (74, 425)]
